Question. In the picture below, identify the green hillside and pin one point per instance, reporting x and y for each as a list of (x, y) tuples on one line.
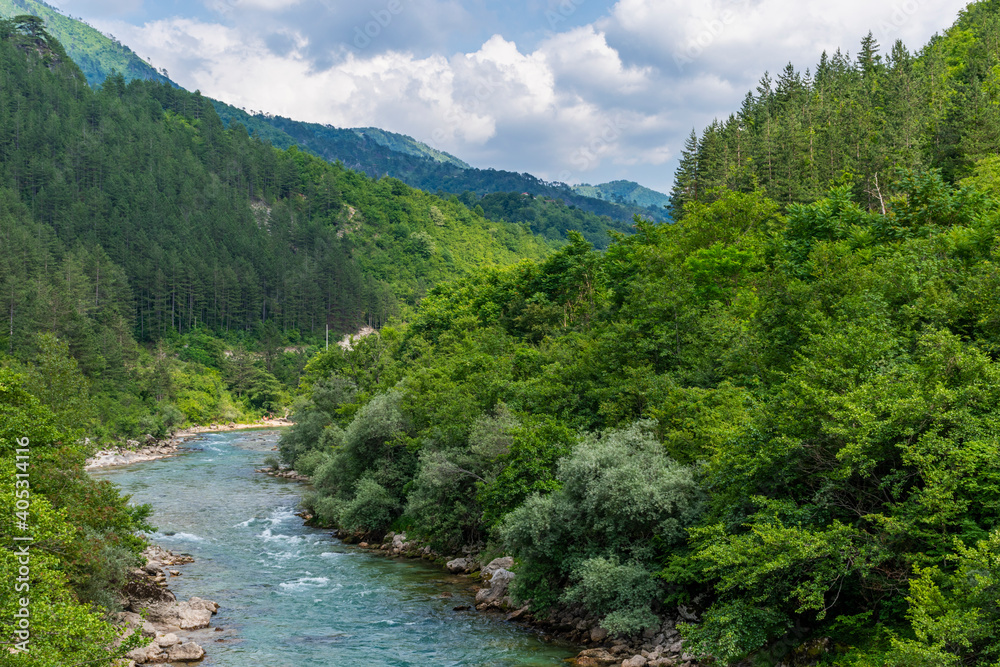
[(625, 192), (855, 121), (374, 156), (400, 143), (96, 54), (368, 150), (558, 211), (175, 224)]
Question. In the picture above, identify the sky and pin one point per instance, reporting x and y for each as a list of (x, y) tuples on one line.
[(579, 91)]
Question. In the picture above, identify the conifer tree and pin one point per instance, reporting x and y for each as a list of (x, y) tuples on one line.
[(685, 178)]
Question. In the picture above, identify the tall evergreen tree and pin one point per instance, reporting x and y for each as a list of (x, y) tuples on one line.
[(685, 178)]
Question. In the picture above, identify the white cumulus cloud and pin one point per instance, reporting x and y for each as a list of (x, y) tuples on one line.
[(614, 98)]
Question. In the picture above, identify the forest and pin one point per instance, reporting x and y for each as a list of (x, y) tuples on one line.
[(780, 411), (853, 121), (370, 151), (132, 219)]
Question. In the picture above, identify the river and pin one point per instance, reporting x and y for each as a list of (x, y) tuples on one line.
[(293, 596)]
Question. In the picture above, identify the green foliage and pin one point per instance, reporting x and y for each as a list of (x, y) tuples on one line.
[(22, 415), (442, 501), (372, 509), (625, 192), (619, 496), (308, 463), (97, 55), (84, 537), (731, 630), (620, 593), (64, 629), (526, 466), (362, 476), (953, 613)]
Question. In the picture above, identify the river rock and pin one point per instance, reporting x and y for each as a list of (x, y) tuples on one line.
[(135, 621), (207, 605), (152, 654), (504, 563), (635, 661), (167, 640), (595, 657), (598, 634), (189, 652), (496, 594), (458, 565), (191, 615)]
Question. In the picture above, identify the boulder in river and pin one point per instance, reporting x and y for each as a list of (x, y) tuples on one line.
[(458, 565), (595, 657)]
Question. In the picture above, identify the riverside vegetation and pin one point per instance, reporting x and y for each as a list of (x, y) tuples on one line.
[(780, 411)]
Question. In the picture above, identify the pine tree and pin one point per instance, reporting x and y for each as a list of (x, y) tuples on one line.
[(685, 178)]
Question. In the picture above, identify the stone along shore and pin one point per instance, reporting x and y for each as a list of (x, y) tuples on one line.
[(173, 630)]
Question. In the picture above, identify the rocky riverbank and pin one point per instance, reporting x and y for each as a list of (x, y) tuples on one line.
[(174, 629), (285, 473), (659, 646), (151, 449)]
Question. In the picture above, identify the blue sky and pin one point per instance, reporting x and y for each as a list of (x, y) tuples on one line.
[(570, 90)]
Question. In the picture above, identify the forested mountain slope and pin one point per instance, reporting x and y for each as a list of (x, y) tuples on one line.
[(130, 213), (209, 225), (94, 53), (372, 151), (782, 415), (424, 168), (626, 192), (854, 120)]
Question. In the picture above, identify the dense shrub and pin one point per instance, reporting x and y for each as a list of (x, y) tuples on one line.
[(371, 509), (622, 593), (621, 496)]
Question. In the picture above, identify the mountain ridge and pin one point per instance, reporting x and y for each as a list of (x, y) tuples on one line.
[(95, 53), (373, 151)]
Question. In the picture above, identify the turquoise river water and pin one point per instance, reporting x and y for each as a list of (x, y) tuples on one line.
[(293, 596)]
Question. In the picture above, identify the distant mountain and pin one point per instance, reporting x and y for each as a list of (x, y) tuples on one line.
[(96, 54), (378, 152), (418, 165), (625, 192), (401, 143)]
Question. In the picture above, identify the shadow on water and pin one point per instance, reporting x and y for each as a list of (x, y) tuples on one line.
[(293, 596)]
